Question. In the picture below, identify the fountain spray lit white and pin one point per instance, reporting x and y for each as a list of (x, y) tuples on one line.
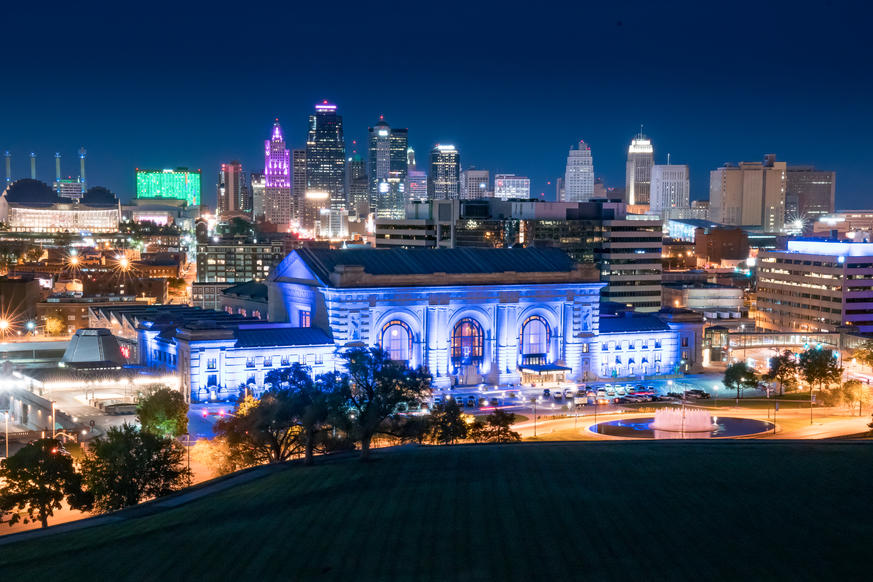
[(683, 420)]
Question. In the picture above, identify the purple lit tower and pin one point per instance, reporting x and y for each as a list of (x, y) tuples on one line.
[(277, 178)]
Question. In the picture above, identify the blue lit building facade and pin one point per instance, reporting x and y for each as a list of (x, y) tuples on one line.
[(469, 315), (476, 315)]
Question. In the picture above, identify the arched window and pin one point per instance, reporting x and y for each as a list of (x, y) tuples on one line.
[(535, 336), (397, 340), (467, 341)]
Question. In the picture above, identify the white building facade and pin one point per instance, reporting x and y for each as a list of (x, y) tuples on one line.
[(579, 175), (670, 188)]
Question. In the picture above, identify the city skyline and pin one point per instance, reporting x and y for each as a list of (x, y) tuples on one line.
[(703, 125)]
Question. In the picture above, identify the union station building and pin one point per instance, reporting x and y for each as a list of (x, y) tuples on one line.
[(469, 315)]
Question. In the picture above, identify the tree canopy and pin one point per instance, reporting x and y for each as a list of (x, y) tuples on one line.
[(163, 411), (739, 377), (376, 387), (129, 465), (36, 480)]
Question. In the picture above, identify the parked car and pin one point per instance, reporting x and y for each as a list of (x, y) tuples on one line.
[(547, 393)]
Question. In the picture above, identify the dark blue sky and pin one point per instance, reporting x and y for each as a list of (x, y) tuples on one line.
[(169, 84)]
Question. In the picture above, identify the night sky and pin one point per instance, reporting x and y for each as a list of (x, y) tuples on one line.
[(164, 84)]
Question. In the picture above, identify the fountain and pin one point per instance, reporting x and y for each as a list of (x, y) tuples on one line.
[(683, 420)]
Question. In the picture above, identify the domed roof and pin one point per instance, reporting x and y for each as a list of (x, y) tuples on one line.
[(28, 191), (99, 196)]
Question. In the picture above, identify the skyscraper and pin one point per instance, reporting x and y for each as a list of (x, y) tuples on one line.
[(233, 197), (358, 186), (669, 188), (809, 194), (256, 184), (475, 184), (638, 176), (298, 183), (579, 175), (511, 187), (326, 155), (387, 169), (416, 180), (749, 194), (443, 180), (277, 178)]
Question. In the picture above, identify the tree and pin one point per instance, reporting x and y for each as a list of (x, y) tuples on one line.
[(376, 386), (447, 423), (820, 367), (864, 352), (163, 411), (54, 326), (263, 430), (854, 391), (128, 465), (500, 427), (311, 402), (35, 481), (783, 369), (739, 377)]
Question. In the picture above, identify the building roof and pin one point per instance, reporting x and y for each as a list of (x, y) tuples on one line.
[(431, 261), (632, 322), (262, 336), (32, 193), (249, 289)]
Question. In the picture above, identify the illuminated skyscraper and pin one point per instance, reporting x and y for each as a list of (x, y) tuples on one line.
[(256, 184), (358, 187), (475, 184), (640, 159), (233, 195), (444, 178), (670, 187), (416, 180), (298, 183), (579, 175), (387, 169), (277, 178), (326, 155)]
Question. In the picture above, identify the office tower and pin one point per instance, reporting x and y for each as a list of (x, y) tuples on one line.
[(579, 175), (559, 189), (233, 196), (638, 176), (444, 178), (298, 183), (178, 184), (277, 178), (809, 194), (475, 184), (387, 166), (326, 155), (358, 186), (669, 188), (257, 183), (511, 187), (749, 194), (416, 180), (815, 286)]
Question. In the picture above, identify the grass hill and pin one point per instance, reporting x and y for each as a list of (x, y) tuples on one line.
[(731, 510)]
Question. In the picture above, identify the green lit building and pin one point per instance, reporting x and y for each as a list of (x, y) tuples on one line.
[(178, 184)]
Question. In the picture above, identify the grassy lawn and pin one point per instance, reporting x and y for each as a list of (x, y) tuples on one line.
[(733, 510)]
